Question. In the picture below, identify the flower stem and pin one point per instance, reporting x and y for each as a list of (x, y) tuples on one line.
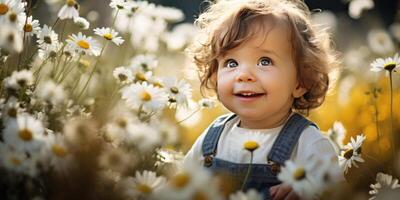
[(197, 110), (52, 27), (92, 72), (68, 68), (248, 171), (391, 113), (58, 74)]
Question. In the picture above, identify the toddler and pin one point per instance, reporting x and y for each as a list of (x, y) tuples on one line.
[(269, 66)]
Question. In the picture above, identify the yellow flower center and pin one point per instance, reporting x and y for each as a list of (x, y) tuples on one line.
[(59, 150), (28, 28), (108, 36), (299, 173), (3, 9), (158, 84), (145, 96), (15, 161), (199, 196), (180, 180), (71, 3), (143, 188), (83, 44), (251, 145), (174, 90), (139, 76), (25, 134), (390, 66)]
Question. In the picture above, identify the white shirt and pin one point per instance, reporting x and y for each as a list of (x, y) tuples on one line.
[(230, 145)]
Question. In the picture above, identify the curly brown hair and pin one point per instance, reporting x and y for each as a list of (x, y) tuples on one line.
[(226, 24)]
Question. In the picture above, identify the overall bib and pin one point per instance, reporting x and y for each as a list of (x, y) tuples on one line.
[(262, 176)]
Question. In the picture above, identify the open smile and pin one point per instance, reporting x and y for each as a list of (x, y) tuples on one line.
[(249, 95)]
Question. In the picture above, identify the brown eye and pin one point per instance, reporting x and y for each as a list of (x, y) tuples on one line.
[(264, 61), (230, 63)]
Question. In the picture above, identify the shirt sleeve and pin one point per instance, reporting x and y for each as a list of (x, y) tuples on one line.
[(195, 154), (313, 144)]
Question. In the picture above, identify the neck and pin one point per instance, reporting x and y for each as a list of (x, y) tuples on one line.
[(268, 123)]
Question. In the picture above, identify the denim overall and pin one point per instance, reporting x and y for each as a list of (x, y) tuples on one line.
[(262, 176)]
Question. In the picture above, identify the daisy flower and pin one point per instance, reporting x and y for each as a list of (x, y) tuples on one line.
[(47, 37), (58, 152), (11, 38), (357, 6), (12, 159), (117, 130), (140, 76), (115, 159), (251, 194), (13, 11), (19, 79), (131, 7), (145, 137), (84, 44), (380, 41), (206, 103), (156, 81), (384, 182), (169, 156), (123, 75), (32, 27), (299, 177), (109, 34), (69, 10), (167, 130), (51, 93), (389, 64), (11, 109), (145, 62), (5, 6), (188, 183), (352, 153), (118, 4), (24, 133), (337, 133), (50, 51), (143, 95), (328, 172), (143, 185), (82, 23), (179, 92)]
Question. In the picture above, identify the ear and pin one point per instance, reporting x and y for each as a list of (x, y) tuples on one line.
[(298, 91)]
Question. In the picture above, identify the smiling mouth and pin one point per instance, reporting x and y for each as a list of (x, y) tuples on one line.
[(249, 94)]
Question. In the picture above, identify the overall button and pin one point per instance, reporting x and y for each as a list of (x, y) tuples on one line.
[(275, 168), (208, 161)]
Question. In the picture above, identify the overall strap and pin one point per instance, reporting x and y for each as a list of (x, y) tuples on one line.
[(287, 139), (210, 141)]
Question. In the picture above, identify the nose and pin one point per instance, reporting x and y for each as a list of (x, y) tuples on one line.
[(245, 75)]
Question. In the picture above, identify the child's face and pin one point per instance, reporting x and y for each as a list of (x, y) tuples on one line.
[(257, 80)]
